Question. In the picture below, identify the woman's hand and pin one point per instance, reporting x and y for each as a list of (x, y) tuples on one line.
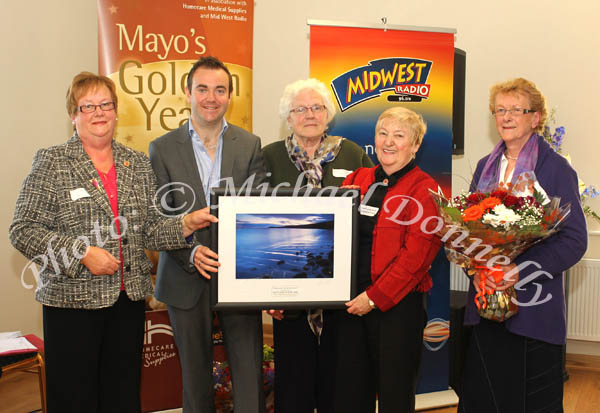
[(353, 187), (489, 282), (205, 260), (359, 305), (276, 314), (100, 262), (506, 282), (197, 220)]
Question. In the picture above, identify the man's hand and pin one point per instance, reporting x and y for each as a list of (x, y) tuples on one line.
[(206, 260)]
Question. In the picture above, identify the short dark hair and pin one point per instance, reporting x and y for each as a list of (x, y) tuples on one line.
[(211, 63)]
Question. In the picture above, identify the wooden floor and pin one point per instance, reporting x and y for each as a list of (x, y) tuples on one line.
[(582, 390), (19, 392)]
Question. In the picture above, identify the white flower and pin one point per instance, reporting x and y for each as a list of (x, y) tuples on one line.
[(501, 217)]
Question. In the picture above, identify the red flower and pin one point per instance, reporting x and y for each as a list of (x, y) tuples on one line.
[(533, 201), (527, 199), (475, 197), (499, 193), (510, 200)]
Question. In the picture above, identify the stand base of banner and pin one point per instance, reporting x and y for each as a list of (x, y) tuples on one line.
[(445, 398)]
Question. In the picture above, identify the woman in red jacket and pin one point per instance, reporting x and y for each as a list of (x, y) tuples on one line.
[(380, 336)]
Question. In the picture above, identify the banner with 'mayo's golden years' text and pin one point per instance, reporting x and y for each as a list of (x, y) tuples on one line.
[(148, 46)]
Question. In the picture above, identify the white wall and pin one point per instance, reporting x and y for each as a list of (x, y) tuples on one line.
[(554, 43), (43, 45)]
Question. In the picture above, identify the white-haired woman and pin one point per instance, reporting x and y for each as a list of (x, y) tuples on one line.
[(304, 340)]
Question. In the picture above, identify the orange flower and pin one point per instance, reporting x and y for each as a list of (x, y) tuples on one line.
[(490, 203), (472, 213)]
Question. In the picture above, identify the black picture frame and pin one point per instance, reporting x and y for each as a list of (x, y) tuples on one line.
[(308, 288)]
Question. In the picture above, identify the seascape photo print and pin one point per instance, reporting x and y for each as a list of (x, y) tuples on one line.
[(284, 246)]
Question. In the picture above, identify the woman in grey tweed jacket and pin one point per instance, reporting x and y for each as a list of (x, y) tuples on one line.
[(85, 214)]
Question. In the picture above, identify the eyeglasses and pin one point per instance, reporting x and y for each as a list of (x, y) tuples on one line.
[(513, 112), (89, 108), (303, 110)]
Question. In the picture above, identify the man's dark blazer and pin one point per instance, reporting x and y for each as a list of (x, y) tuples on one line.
[(172, 157), (182, 287)]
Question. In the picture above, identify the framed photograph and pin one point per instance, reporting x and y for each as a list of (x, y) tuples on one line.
[(284, 249)]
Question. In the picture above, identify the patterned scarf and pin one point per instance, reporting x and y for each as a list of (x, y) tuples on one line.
[(526, 162), (313, 169)]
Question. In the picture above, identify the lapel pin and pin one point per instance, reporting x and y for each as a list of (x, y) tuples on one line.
[(94, 182), (126, 163)]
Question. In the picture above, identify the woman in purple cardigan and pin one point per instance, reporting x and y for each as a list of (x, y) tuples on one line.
[(516, 366)]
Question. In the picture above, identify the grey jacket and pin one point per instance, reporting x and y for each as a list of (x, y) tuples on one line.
[(178, 283), (62, 208)]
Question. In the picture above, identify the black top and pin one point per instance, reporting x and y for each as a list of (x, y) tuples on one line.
[(366, 224)]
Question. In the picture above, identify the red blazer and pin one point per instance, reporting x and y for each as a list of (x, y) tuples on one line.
[(402, 252)]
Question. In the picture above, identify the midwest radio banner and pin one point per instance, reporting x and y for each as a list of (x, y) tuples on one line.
[(148, 47), (370, 69)]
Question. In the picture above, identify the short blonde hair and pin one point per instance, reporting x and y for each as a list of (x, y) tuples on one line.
[(410, 118), (526, 88), (84, 82), (293, 89)]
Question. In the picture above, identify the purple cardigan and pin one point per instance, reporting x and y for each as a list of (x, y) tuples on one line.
[(547, 321)]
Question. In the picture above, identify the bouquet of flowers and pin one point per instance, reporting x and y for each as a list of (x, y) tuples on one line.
[(482, 231)]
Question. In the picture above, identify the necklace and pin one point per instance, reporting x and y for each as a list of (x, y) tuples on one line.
[(509, 157)]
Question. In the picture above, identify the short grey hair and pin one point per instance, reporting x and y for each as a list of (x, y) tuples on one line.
[(293, 89), (411, 119)]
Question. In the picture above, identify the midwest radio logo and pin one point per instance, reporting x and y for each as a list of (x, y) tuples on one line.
[(406, 76)]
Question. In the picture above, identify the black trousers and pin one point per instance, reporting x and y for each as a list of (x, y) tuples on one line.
[(508, 373), (94, 358), (304, 369), (379, 355)]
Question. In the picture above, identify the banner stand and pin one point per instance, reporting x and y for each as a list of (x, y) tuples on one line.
[(370, 68)]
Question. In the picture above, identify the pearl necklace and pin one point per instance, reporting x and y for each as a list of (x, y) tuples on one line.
[(509, 157)]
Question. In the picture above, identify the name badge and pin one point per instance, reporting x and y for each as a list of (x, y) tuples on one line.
[(79, 193), (340, 173), (367, 210)]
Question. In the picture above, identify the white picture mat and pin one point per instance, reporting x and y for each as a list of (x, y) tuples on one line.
[(232, 290)]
